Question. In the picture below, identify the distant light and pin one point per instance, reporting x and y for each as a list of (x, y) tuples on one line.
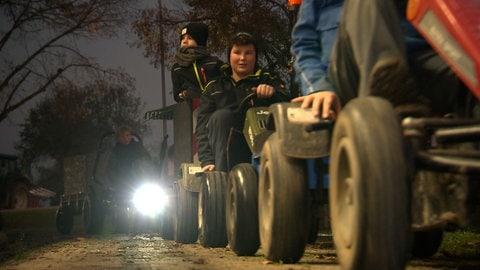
[(150, 199)]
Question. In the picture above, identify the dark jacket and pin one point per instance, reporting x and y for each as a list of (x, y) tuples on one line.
[(194, 77), (121, 166), (225, 93)]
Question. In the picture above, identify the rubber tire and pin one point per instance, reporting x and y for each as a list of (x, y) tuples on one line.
[(368, 187), (93, 215), (64, 219), (242, 210), (314, 222), (282, 204), (212, 227), (167, 218), (426, 244), (186, 219), (121, 219), (167, 226), (18, 196)]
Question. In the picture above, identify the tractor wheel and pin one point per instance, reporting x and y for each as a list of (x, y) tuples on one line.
[(242, 210), (93, 214), (211, 210), (64, 219), (368, 187), (426, 244), (186, 220), (282, 204), (19, 196)]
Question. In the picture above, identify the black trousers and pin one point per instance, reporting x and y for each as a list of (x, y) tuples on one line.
[(225, 139)]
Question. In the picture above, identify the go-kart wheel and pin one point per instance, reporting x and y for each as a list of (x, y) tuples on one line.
[(368, 187), (282, 204), (242, 210), (211, 210), (167, 226), (93, 215), (64, 219), (121, 219), (314, 222), (426, 244), (167, 219), (186, 219)]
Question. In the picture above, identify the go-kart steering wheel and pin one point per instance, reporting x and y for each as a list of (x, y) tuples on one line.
[(245, 101)]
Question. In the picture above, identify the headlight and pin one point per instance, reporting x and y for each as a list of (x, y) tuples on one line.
[(150, 199)]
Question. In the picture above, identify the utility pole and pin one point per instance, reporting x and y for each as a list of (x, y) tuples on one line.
[(162, 66)]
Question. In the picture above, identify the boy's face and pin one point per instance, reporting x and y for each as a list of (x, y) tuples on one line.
[(187, 41), (125, 138), (242, 60)]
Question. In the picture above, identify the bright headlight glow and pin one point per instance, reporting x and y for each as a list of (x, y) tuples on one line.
[(150, 199)]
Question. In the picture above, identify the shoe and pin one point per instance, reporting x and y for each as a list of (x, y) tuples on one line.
[(391, 79)]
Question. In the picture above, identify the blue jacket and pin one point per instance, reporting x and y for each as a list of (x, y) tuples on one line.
[(314, 35), (312, 40)]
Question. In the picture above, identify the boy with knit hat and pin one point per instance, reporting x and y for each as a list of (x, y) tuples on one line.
[(194, 66)]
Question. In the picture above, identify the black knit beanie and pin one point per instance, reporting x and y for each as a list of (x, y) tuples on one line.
[(198, 31)]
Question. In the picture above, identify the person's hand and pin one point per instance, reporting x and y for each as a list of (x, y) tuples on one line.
[(208, 168), (183, 94), (264, 90), (325, 104)]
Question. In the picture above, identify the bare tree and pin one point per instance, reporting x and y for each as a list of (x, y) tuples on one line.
[(38, 44), (71, 120)]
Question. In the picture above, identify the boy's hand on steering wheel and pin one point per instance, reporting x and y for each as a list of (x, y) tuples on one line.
[(325, 104), (264, 90), (208, 168)]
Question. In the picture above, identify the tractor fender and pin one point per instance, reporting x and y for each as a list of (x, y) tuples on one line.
[(300, 135), (255, 130), (190, 180)]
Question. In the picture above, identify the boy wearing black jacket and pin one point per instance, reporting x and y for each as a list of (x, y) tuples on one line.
[(218, 109), (194, 66)]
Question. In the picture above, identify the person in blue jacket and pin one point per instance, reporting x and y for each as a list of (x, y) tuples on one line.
[(313, 37), (376, 52)]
